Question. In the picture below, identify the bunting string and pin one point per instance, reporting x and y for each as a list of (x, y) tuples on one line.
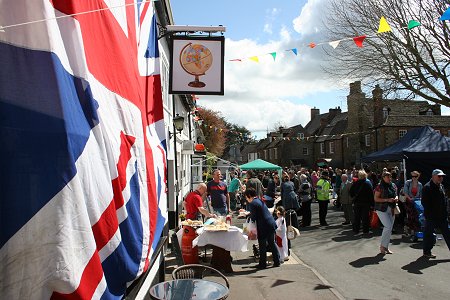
[(2, 28), (383, 27)]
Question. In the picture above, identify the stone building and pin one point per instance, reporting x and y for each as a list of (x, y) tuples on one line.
[(375, 123), (343, 138)]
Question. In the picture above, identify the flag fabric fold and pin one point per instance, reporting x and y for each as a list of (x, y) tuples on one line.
[(85, 202)]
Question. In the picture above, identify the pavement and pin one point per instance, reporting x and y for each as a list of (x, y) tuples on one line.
[(292, 280)]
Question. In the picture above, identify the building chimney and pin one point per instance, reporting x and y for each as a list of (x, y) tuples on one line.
[(314, 112), (377, 96), (355, 87)]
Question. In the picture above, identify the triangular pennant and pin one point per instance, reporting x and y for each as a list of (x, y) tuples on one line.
[(359, 40), (446, 15), (413, 24), (294, 50), (334, 44), (312, 45), (254, 58), (274, 55), (237, 59), (384, 26)]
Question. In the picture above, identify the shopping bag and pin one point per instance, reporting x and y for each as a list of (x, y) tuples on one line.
[(249, 228), (374, 220), (292, 232)]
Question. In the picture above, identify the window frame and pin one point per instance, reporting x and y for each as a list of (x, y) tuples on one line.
[(367, 140)]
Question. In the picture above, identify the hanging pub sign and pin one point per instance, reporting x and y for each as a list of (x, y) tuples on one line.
[(197, 65)]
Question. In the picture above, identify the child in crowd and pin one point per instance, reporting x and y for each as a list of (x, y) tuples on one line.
[(280, 234)]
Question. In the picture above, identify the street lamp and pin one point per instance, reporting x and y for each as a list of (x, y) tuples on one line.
[(178, 122)]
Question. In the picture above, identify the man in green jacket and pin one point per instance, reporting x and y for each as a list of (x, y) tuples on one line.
[(323, 188)]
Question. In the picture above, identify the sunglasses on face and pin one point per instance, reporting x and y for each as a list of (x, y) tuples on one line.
[(415, 176)]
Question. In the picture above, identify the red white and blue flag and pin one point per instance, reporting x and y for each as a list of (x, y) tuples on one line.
[(82, 155)]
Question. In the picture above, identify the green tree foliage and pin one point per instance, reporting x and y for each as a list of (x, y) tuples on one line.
[(411, 63)]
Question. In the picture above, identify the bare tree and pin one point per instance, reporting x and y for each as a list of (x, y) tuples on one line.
[(408, 62)]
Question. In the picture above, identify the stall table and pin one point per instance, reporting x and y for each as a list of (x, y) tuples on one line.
[(222, 243)]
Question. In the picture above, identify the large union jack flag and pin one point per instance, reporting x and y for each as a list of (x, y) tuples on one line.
[(82, 155)]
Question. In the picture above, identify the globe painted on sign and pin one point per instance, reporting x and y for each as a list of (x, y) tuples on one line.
[(196, 59)]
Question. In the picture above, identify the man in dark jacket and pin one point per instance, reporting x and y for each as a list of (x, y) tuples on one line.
[(265, 227), (362, 194), (435, 210)]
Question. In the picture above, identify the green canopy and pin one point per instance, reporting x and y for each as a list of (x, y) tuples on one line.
[(259, 164)]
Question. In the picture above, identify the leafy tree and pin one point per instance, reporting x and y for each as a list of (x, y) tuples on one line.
[(212, 127), (409, 62)]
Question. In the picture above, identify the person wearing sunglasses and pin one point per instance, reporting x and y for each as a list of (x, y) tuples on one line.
[(385, 200), (412, 191), (434, 204)]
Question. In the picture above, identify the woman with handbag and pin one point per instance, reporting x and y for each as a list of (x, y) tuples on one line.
[(412, 191), (265, 227), (385, 204)]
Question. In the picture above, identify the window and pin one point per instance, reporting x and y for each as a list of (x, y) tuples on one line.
[(270, 154), (385, 112), (265, 154), (275, 153), (322, 148), (367, 140), (347, 142), (401, 133), (305, 150), (331, 147), (429, 112), (448, 133), (301, 135)]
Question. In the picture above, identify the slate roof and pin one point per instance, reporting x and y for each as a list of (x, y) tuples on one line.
[(314, 125), (337, 126), (416, 121)]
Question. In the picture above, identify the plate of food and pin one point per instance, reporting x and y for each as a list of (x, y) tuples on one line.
[(217, 227), (192, 223)]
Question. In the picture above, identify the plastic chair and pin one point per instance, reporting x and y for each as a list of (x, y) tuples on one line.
[(196, 271)]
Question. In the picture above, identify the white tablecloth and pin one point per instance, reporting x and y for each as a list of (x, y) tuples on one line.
[(232, 240)]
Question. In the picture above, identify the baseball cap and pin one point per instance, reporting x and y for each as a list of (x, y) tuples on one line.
[(437, 172)]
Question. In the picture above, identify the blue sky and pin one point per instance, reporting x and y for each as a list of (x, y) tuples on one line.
[(262, 95)]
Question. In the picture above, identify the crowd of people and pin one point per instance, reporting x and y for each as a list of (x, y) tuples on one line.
[(358, 193)]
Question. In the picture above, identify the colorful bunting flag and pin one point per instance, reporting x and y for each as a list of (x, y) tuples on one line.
[(384, 26), (294, 50), (446, 15), (274, 55), (359, 40), (312, 45), (237, 59), (254, 58), (334, 44), (412, 24)]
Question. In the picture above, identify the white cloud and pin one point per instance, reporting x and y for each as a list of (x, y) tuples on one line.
[(310, 19), (259, 95)]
